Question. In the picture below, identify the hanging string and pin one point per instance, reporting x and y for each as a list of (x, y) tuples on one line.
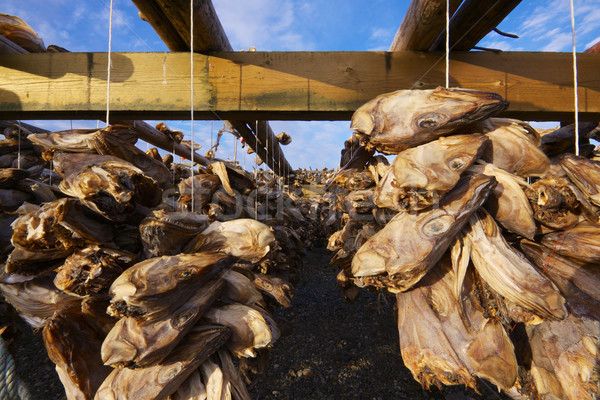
[(256, 171), (19, 146), (575, 96), (109, 64), (193, 150), (235, 140), (447, 43)]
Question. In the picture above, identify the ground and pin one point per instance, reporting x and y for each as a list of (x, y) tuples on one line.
[(337, 350)]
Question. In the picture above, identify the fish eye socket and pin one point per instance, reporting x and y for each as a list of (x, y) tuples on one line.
[(184, 274), (427, 123), (429, 120), (456, 164)]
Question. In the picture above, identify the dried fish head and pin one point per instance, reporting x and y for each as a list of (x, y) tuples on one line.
[(65, 335), (509, 273), (16, 30), (165, 233), (205, 186), (63, 224), (245, 238), (91, 271), (108, 185), (136, 343), (405, 118), (580, 242), (553, 202), (155, 287), (508, 203), (159, 381), (515, 147), (250, 330), (37, 300), (411, 243), (584, 173), (426, 172)]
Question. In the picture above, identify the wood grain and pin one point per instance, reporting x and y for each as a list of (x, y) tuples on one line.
[(283, 85)]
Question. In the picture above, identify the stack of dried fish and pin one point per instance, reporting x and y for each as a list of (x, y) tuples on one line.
[(146, 286), (485, 234)]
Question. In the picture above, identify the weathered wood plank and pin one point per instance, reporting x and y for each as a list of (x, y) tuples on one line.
[(283, 85), (422, 23), (473, 20)]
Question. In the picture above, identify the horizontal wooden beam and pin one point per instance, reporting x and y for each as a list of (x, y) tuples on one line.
[(283, 85)]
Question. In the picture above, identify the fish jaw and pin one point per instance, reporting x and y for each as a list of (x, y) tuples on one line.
[(405, 118)]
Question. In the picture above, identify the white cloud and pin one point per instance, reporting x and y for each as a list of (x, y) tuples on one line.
[(592, 42), (559, 42)]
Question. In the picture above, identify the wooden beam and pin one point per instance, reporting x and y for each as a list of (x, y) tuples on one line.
[(209, 36), (154, 15), (594, 49), (283, 85), (157, 138), (473, 20), (422, 23)]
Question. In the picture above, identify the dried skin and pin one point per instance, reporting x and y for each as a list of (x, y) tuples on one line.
[(250, 330), (18, 31), (205, 186), (509, 273), (65, 336), (92, 270), (566, 352), (37, 300), (240, 289), (191, 389), (553, 202), (581, 242), (231, 373), (275, 287), (63, 224), (245, 238), (585, 174), (508, 203), (156, 287), (108, 185), (166, 233), (161, 380), (579, 284), (480, 343), (425, 173), (217, 386), (396, 121), (135, 343), (411, 243), (515, 147)]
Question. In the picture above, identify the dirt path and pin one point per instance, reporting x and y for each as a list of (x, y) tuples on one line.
[(340, 350)]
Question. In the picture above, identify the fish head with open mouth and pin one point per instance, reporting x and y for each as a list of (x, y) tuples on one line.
[(406, 118)]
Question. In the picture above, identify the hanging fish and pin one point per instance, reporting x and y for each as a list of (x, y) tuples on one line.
[(395, 121)]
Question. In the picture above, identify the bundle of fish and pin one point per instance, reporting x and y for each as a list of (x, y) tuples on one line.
[(145, 285), (487, 235)]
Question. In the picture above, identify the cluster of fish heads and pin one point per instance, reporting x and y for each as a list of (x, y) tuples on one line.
[(486, 235)]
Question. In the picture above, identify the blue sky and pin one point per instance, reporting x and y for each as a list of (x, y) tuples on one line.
[(289, 25)]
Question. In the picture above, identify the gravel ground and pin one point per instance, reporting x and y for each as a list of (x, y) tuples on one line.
[(337, 350)]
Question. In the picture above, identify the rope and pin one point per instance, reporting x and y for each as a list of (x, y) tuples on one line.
[(447, 43), (11, 387), (192, 95), (108, 66), (575, 96)]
